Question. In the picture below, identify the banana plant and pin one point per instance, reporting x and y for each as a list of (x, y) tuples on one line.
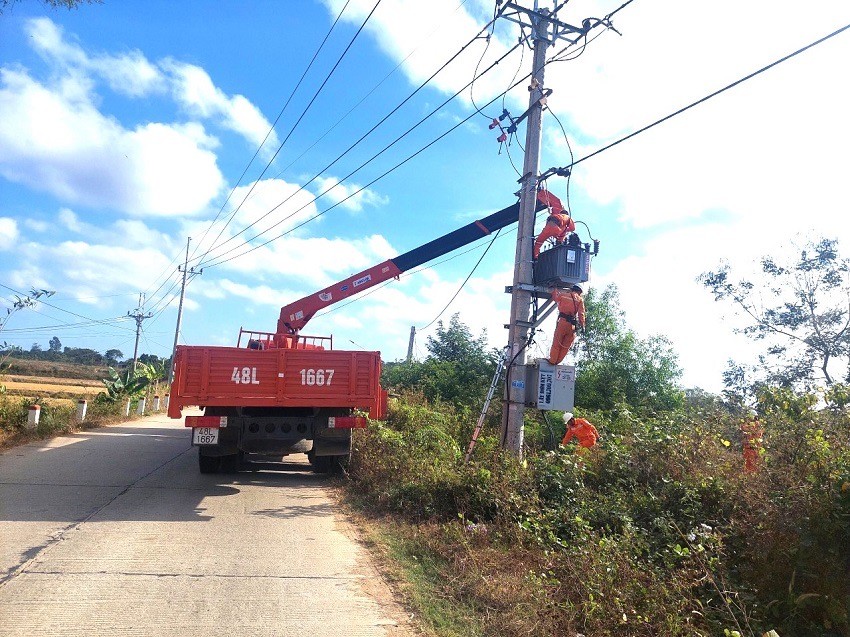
[(118, 388)]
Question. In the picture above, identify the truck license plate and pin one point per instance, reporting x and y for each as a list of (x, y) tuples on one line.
[(204, 436)]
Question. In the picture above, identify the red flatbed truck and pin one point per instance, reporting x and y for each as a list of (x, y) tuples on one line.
[(282, 393), (275, 401)]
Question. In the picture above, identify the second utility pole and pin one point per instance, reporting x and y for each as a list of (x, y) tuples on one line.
[(513, 411), (186, 271), (139, 316)]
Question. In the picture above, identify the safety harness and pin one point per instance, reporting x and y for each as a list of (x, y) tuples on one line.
[(571, 318)]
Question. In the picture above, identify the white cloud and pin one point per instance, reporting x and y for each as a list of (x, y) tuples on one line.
[(133, 232), (36, 225), (8, 232), (194, 89), (130, 74), (257, 294), (69, 220), (313, 262), (133, 75), (424, 35), (84, 264), (54, 139), (344, 194)]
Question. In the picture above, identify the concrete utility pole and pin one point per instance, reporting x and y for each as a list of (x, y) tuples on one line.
[(545, 29), (139, 315), (410, 343), (186, 270), (512, 418)]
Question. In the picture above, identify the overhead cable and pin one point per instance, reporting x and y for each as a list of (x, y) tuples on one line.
[(349, 149), (55, 307), (232, 190), (362, 188), (291, 130), (715, 93), (217, 259), (355, 106), (465, 281), (277, 119)]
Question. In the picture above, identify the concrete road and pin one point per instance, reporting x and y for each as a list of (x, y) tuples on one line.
[(114, 531)]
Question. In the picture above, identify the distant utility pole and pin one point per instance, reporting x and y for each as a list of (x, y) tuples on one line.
[(139, 315), (545, 29), (410, 343), (186, 270)]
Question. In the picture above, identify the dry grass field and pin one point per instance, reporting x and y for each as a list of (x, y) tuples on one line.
[(61, 371), (49, 380), (33, 385)]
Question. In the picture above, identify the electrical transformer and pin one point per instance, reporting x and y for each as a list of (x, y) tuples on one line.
[(563, 265)]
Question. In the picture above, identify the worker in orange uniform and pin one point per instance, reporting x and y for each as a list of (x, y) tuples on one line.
[(558, 223), (570, 317), (752, 434), (580, 429)]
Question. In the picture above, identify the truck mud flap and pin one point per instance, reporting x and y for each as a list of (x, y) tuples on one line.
[(332, 446)]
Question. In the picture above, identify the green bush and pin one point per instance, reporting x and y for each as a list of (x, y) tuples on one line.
[(656, 531)]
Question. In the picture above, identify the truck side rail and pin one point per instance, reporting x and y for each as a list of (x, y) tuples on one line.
[(277, 377)]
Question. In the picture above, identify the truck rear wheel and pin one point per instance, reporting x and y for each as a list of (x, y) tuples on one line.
[(208, 464), (230, 464)]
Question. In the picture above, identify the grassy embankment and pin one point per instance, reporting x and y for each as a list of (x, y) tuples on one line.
[(656, 532), (56, 387)]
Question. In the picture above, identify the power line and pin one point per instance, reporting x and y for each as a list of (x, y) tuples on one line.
[(570, 150), (497, 11), (161, 305), (362, 188), (279, 115), (42, 301), (352, 109), (61, 326), (477, 110), (456, 255), (618, 9), (294, 126), (715, 93), (351, 147), (469, 276), (165, 273), (217, 259)]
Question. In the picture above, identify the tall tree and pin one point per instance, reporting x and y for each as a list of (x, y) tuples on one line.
[(617, 366), (800, 308), (55, 344), (458, 369)]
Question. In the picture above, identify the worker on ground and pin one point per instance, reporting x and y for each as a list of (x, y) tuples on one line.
[(570, 318), (558, 223), (752, 435), (580, 429)]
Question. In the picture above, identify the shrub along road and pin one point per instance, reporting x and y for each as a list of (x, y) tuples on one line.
[(113, 531)]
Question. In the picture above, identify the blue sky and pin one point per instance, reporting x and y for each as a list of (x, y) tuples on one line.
[(126, 126)]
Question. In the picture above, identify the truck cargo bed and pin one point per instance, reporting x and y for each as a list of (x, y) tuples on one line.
[(228, 376)]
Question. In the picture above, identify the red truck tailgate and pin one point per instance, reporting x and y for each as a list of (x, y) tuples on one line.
[(230, 376)]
